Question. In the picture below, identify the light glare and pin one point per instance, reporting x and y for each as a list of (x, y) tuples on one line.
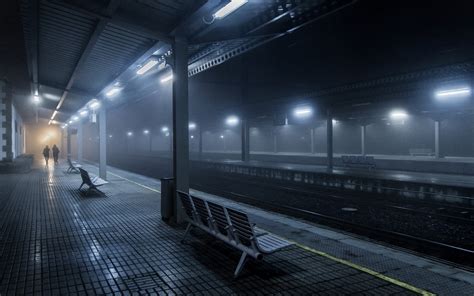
[(192, 126), (150, 64), (398, 114), (303, 112), (166, 78), (164, 129), (146, 132), (458, 92), (232, 120), (232, 6)]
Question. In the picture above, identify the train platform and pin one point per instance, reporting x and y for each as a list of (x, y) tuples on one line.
[(55, 240)]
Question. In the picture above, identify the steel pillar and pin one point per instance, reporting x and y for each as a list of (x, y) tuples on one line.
[(180, 122), (362, 139), (437, 138), (245, 150), (102, 143), (68, 143), (79, 142), (329, 140)]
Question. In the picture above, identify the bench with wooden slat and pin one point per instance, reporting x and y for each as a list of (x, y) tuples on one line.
[(73, 166), (231, 226), (93, 183)]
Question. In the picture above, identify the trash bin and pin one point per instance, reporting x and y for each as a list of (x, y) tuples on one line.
[(167, 198)]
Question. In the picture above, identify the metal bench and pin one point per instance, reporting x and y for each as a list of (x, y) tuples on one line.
[(231, 226), (73, 166), (359, 161), (93, 183)]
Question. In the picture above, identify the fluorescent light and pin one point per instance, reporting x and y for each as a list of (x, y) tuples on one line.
[(70, 121), (457, 92), (75, 118), (146, 132), (166, 78), (232, 6), (129, 134), (192, 126), (94, 105), (54, 114), (164, 129), (113, 91), (232, 120), (303, 112), (83, 113), (145, 68), (398, 114)]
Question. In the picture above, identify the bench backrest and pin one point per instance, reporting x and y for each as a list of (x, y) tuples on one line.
[(187, 204), (201, 210), (241, 226), (85, 177), (219, 217)]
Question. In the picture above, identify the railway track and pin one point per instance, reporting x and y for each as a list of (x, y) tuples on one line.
[(435, 249)]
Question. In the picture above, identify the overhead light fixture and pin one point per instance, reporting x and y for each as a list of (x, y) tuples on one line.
[(230, 7), (129, 134), (164, 129), (456, 92), (303, 112), (222, 136), (192, 126), (145, 68), (94, 105), (192, 137), (36, 99), (113, 91), (75, 118), (232, 120), (146, 132), (83, 113), (70, 122), (398, 114), (166, 78)]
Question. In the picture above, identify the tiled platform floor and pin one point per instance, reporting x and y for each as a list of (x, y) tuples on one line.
[(55, 240)]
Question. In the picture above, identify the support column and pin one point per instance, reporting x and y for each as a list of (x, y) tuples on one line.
[(362, 139), (329, 142), (200, 143), (180, 122), (245, 150), (312, 131), (79, 142), (275, 147), (102, 144), (437, 138), (68, 143)]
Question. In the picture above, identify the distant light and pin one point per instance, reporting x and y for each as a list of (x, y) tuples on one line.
[(192, 126), (303, 112), (232, 120), (129, 134), (146, 132), (75, 118), (94, 105), (334, 121), (192, 137), (456, 92), (232, 6), (398, 114), (167, 134), (83, 113), (113, 91), (166, 78), (70, 122), (110, 136), (164, 129), (145, 68), (222, 136), (36, 99)]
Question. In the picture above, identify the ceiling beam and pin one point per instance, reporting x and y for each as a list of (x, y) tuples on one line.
[(118, 21), (102, 23)]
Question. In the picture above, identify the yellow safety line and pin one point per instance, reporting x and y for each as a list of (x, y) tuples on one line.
[(136, 183), (323, 254)]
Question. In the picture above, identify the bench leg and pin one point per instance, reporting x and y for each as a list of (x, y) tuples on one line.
[(81, 185), (188, 229), (241, 264)]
